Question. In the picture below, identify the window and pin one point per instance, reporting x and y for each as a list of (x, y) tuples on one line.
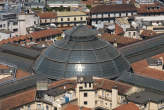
[(55, 108), (81, 18), (85, 94), (89, 84), (61, 19), (47, 108), (15, 30), (28, 107), (4, 25), (68, 19), (85, 102), (34, 22), (85, 84), (80, 87), (134, 34), (39, 106), (74, 19)]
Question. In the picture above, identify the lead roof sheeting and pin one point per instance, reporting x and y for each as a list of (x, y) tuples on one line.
[(20, 51), (143, 46), (20, 62), (17, 85), (144, 54), (146, 96), (141, 81)]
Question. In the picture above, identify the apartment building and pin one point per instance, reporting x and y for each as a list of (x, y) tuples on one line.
[(71, 18), (108, 13), (47, 18)]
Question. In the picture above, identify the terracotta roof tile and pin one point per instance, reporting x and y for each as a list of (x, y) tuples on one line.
[(109, 84), (148, 33), (141, 68), (150, 8), (129, 106), (47, 15), (118, 30), (34, 35), (18, 99), (113, 8), (21, 74), (118, 39), (75, 107), (3, 66)]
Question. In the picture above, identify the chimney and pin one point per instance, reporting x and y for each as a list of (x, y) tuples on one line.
[(42, 85), (115, 43), (114, 97)]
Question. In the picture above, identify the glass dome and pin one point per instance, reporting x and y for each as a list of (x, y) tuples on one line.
[(81, 53)]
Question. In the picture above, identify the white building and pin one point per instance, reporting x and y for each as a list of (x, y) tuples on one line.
[(25, 21)]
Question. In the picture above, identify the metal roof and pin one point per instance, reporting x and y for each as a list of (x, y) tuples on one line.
[(143, 49), (20, 51), (21, 84), (142, 81), (81, 53), (20, 62), (146, 96)]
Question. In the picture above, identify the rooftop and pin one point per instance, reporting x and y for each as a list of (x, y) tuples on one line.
[(129, 106), (47, 15), (113, 8), (141, 68), (70, 13), (118, 39), (83, 53)]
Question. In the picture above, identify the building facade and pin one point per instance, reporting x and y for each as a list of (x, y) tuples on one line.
[(74, 18)]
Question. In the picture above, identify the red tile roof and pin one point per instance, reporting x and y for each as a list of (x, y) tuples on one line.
[(141, 68), (75, 107), (34, 36), (18, 99), (118, 30), (3, 66), (113, 8), (148, 33), (118, 39), (21, 74), (47, 15), (109, 84), (129, 106), (150, 8)]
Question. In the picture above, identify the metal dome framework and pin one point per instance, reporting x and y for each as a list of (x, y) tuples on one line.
[(81, 53)]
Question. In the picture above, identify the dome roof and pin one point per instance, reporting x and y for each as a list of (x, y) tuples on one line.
[(81, 53)]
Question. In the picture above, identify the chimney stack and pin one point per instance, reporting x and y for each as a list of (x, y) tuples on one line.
[(114, 97)]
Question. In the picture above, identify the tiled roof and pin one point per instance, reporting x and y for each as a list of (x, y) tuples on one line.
[(150, 8), (47, 15), (129, 106), (75, 107), (118, 30), (70, 13), (148, 33), (34, 35), (113, 8), (3, 66), (109, 84), (18, 99), (141, 68), (118, 39), (21, 74)]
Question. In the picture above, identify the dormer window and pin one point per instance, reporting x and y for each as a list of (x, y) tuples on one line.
[(85, 84)]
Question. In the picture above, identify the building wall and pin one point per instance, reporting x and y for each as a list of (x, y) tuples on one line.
[(71, 20), (109, 17), (25, 21)]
